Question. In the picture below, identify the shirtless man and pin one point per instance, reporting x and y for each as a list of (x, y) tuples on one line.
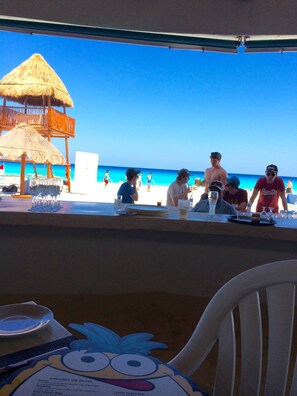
[(216, 172)]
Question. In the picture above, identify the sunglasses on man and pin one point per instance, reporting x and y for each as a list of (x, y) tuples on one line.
[(215, 155), (271, 174)]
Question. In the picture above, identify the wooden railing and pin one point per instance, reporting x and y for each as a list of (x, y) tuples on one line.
[(43, 119), (61, 122)]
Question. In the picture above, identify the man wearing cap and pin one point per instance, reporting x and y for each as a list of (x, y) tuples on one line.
[(216, 172), (271, 188), (128, 189), (179, 189), (222, 207), (234, 195)]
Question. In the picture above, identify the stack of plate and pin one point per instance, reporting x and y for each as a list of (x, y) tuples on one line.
[(19, 319), (147, 210)]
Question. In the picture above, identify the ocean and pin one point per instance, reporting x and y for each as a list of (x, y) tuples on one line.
[(161, 177)]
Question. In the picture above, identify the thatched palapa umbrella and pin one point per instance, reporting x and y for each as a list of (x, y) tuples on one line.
[(24, 141), (34, 82)]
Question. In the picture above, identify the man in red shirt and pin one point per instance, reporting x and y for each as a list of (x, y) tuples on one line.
[(234, 195), (271, 188)]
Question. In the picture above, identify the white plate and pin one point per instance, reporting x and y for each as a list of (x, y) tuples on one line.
[(147, 210), (19, 319)]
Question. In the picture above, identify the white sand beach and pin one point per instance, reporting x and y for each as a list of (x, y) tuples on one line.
[(102, 194), (106, 194)]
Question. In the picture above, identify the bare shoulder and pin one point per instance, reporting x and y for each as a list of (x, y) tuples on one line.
[(224, 172), (208, 171)]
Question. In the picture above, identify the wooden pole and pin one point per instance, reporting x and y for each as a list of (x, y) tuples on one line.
[(22, 178), (68, 166), (35, 170), (3, 115), (43, 111), (49, 166)]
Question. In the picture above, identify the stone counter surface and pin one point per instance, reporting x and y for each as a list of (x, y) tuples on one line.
[(90, 215)]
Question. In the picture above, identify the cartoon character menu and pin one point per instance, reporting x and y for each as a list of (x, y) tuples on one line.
[(102, 364)]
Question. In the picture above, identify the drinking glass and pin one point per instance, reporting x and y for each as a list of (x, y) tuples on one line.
[(289, 214), (283, 214), (212, 201), (263, 214), (59, 189), (51, 195), (39, 194), (270, 214), (33, 189), (117, 203)]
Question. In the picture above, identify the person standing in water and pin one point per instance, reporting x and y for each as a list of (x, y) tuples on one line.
[(149, 181), (289, 189), (106, 178)]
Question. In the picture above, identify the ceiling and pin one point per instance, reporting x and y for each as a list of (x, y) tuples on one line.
[(210, 25)]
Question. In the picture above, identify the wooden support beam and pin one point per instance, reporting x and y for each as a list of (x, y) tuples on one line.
[(22, 178), (68, 166)]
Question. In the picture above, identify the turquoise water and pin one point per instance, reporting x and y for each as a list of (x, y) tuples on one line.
[(162, 177)]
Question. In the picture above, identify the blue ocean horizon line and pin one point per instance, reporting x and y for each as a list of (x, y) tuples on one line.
[(161, 177)]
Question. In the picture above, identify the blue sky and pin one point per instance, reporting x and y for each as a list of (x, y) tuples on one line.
[(161, 108)]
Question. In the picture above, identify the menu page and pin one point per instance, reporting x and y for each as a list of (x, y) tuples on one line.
[(103, 364)]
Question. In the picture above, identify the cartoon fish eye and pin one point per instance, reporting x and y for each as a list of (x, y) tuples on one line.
[(131, 364), (84, 361)]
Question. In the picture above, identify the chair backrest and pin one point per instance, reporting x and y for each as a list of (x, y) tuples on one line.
[(277, 281)]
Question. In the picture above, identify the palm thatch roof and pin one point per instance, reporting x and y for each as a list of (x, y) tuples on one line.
[(24, 139), (32, 82)]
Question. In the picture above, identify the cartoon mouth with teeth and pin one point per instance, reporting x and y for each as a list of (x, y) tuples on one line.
[(103, 364)]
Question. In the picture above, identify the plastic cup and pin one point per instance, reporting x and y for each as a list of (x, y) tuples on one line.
[(212, 201), (183, 208)]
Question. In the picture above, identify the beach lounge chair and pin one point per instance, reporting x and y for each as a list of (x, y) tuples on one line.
[(10, 189), (275, 283)]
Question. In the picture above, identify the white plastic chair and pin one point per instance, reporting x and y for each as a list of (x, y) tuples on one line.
[(278, 280)]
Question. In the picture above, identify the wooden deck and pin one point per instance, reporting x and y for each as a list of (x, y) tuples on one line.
[(47, 121)]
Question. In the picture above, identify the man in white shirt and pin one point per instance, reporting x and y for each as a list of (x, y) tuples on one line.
[(179, 189)]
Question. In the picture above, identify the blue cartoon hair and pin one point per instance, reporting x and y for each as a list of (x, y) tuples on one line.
[(101, 339)]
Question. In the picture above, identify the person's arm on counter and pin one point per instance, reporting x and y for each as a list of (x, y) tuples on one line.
[(252, 199), (284, 199)]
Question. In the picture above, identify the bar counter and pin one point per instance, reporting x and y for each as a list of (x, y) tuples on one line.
[(84, 248), (77, 214)]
